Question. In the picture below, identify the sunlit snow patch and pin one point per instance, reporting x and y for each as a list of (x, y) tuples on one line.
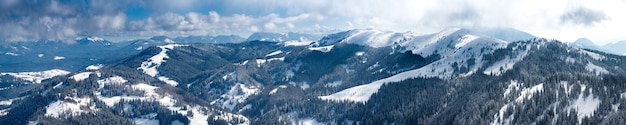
[(593, 55), (11, 54), (360, 53), (296, 43), (308, 121), (70, 106), (37, 77), (274, 53), (595, 69), (58, 57), (4, 112), (168, 81), (464, 40), (276, 89), (527, 93), (333, 84), (584, 106), (95, 39), (237, 94), (82, 76), (150, 66), (168, 40), (260, 62), (112, 81), (322, 48), (94, 67), (361, 93), (500, 67), (144, 121)]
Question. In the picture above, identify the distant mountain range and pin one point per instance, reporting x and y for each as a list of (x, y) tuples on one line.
[(617, 48), (361, 76)]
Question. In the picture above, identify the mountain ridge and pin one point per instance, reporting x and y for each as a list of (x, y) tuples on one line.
[(455, 76)]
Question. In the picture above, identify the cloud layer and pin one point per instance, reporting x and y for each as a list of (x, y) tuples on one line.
[(583, 16), (562, 19)]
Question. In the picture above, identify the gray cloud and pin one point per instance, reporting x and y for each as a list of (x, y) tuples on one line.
[(212, 22), (583, 16), (25, 20), (58, 20)]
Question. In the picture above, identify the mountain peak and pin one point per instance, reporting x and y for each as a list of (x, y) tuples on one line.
[(503, 33), (377, 38), (584, 41), (616, 48), (587, 44), (91, 39), (162, 38)]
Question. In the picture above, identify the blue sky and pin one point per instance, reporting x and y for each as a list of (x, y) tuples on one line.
[(567, 20)]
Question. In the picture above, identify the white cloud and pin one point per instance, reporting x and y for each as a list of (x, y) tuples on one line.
[(350, 25), (270, 26), (542, 18), (290, 25), (212, 23), (110, 21), (253, 29), (600, 21), (214, 17)]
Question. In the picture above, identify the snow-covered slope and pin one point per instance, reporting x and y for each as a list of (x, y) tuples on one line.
[(150, 66), (70, 106), (458, 48), (92, 40), (368, 37), (455, 47), (163, 39), (237, 94), (444, 43), (519, 52), (37, 77)]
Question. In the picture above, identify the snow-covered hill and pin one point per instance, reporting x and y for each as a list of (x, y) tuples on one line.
[(506, 34), (456, 47), (37, 77)]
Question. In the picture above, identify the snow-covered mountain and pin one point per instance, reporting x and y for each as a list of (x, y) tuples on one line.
[(36, 77), (363, 76), (506, 34), (92, 40), (587, 44), (34, 56), (616, 48), (45, 55), (452, 46)]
